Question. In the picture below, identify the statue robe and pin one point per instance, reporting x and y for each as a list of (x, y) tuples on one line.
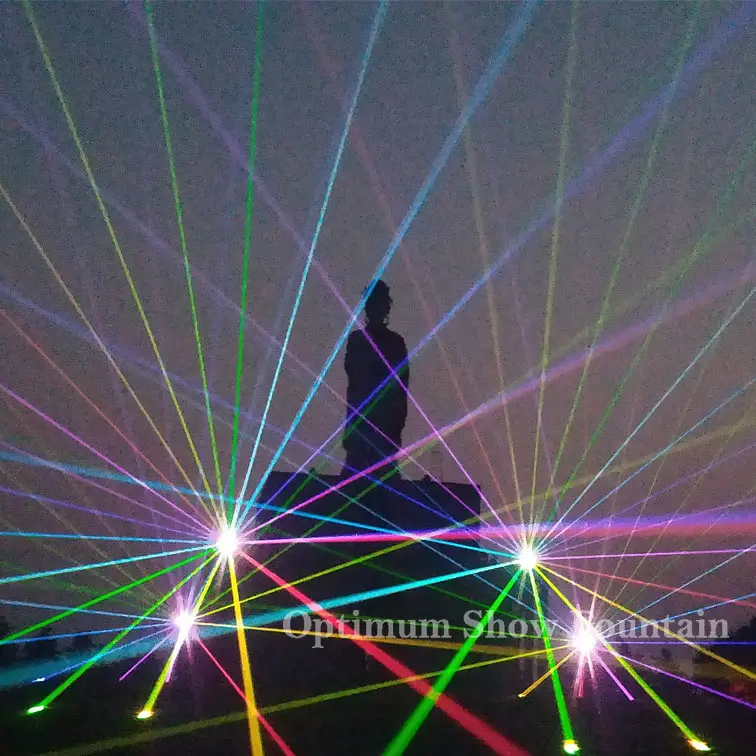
[(366, 371)]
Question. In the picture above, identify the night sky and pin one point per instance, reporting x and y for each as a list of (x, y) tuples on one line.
[(670, 190)]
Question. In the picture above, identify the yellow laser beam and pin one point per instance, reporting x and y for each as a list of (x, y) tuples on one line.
[(253, 721), (545, 675), (111, 231), (103, 348), (669, 633)]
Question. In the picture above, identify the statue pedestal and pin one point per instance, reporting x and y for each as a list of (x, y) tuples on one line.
[(419, 626), (362, 509)]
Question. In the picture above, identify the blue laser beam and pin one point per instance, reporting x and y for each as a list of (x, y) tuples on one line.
[(57, 608), (80, 537)]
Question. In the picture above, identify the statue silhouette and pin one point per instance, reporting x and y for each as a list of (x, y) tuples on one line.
[(375, 419)]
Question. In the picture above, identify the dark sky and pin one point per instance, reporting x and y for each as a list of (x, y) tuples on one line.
[(508, 159)]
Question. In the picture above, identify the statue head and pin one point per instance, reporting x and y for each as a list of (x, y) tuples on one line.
[(378, 305)]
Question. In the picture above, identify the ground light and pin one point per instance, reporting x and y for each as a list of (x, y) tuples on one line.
[(227, 543), (527, 559), (35, 709), (145, 714), (699, 745), (570, 746)]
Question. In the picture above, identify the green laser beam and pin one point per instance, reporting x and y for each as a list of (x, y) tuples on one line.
[(633, 215), (92, 602), (69, 681), (677, 283), (564, 717), (119, 252), (163, 676), (410, 728), (234, 717), (567, 106), (231, 485), (182, 235)]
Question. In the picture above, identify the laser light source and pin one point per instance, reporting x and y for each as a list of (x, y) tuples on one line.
[(527, 559), (570, 746), (145, 714), (35, 709), (698, 745), (227, 543), (184, 621), (585, 639)]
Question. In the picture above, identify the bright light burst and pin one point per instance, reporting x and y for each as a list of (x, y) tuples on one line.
[(527, 559), (570, 746), (184, 621), (227, 543), (145, 714), (585, 638)]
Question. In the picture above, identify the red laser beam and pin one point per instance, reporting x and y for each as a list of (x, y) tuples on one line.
[(477, 727)]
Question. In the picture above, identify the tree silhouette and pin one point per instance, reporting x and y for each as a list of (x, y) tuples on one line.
[(740, 649), (44, 647), (82, 644)]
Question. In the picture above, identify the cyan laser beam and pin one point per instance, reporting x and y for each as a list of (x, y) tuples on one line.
[(739, 392), (22, 675), (98, 565), (712, 340), (494, 68)]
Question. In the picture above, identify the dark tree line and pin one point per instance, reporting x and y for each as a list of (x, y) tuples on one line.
[(740, 647), (42, 647)]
